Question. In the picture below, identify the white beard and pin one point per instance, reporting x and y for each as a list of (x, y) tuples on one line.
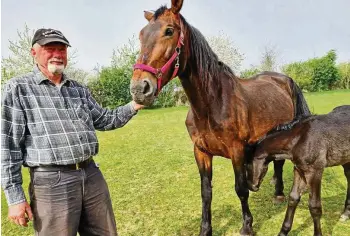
[(55, 69)]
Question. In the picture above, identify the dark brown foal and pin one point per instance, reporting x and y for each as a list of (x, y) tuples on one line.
[(314, 143)]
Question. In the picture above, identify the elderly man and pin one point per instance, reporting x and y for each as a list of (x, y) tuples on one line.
[(48, 124)]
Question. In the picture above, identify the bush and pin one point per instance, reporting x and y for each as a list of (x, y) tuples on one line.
[(325, 72), (344, 74), (111, 89), (316, 74), (301, 72), (171, 95), (249, 72)]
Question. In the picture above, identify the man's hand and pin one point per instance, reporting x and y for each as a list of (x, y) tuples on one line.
[(20, 213), (137, 106)]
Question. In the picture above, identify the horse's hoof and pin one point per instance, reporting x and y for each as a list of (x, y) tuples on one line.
[(279, 199), (246, 232), (344, 217)]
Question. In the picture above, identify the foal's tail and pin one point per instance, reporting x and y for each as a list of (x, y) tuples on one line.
[(301, 109)]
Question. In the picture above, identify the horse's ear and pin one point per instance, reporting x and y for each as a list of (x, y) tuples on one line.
[(148, 15), (176, 6)]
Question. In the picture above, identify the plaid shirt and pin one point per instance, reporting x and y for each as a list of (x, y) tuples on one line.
[(44, 124)]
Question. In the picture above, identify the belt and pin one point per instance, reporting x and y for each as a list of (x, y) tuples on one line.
[(77, 166)]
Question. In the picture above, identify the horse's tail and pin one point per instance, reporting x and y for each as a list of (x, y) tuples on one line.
[(301, 109)]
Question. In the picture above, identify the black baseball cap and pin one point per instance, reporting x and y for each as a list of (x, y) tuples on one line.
[(45, 36)]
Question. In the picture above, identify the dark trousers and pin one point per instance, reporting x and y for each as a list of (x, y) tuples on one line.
[(67, 202)]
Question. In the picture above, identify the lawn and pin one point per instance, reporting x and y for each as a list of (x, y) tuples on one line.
[(155, 185)]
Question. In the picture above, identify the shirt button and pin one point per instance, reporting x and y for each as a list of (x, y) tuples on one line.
[(80, 137)]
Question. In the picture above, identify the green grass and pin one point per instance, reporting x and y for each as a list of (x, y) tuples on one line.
[(324, 102), (155, 185)]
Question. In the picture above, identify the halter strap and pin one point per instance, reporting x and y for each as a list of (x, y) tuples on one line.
[(160, 71)]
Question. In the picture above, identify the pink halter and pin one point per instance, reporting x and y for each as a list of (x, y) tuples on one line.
[(160, 71)]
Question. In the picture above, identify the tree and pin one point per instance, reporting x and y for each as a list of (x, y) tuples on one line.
[(247, 73), (126, 55), (111, 88), (269, 59), (268, 62), (21, 61), (171, 95), (301, 72), (225, 49), (326, 74), (78, 74), (316, 74), (344, 71)]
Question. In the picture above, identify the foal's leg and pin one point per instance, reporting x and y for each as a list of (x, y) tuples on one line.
[(204, 162), (315, 207), (278, 177), (346, 214), (294, 198), (242, 191)]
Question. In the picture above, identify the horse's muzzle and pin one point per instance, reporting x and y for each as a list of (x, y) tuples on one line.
[(142, 91)]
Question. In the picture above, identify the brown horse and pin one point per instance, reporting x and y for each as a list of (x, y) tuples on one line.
[(227, 113), (312, 144)]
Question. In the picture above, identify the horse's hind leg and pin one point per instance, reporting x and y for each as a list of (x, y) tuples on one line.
[(278, 178), (204, 163), (346, 212)]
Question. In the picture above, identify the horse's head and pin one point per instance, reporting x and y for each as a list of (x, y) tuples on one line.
[(161, 43), (256, 170)]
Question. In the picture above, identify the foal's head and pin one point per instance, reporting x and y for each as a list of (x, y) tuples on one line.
[(276, 146), (257, 169), (161, 40)]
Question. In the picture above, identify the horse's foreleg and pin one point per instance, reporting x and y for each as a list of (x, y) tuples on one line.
[(242, 191), (315, 207), (294, 198), (278, 180), (346, 213), (204, 162)]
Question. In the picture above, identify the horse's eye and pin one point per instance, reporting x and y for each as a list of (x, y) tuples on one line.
[(169, 32)]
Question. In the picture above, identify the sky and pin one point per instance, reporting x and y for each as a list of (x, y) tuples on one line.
[(298, 29)]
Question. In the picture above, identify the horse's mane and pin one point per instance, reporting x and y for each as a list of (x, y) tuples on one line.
[(160, 11), (208, 65), (290, 125), (286, 126)]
